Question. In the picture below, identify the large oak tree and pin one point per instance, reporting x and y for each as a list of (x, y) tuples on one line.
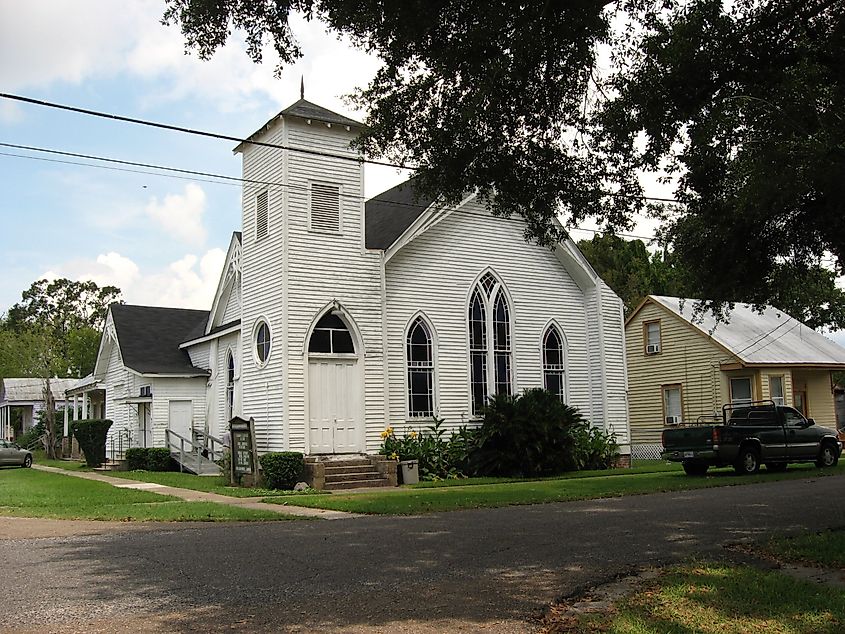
[(560, 106)]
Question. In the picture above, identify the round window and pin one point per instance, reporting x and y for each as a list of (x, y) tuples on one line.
[(262, 342)]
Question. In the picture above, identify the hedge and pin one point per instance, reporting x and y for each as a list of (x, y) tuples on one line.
[(282, 470), (91, 435), (148, 459)]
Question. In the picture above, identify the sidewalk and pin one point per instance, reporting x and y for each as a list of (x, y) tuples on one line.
[(190, 495)]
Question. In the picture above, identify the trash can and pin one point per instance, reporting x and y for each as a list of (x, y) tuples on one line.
[(410, 473)]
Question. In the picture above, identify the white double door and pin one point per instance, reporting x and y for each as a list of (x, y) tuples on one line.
[(334, 405)]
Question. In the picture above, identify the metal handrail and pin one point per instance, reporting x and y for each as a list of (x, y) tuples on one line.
[(195, 449)]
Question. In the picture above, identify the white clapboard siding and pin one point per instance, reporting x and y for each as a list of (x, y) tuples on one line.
[(434, 274), (227, 343), (199, 355), (232, 311), (176, 389), (615, 376)]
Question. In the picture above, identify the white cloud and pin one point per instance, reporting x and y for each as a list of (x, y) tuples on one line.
[(189, 282), (47, 41), (10, 112), (181, 215)]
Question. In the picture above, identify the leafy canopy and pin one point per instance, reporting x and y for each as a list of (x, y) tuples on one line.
[(55, 329), (559, 107)]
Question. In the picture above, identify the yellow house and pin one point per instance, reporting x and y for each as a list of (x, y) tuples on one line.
[(683, 365)]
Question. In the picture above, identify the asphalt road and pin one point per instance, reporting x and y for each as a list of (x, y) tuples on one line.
[(490, 570)]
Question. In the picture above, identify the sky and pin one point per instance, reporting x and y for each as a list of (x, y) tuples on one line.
[(161, 240)]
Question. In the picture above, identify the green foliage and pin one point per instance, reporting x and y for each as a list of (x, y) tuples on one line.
[(148, 459), (529, 435), (91, 436), (136, 458), (595, 448), (282, 470), (740, 102), (429, 447), (55, 329), (628, 268)]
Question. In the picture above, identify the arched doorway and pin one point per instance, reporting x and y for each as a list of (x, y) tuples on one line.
[(334, 388)]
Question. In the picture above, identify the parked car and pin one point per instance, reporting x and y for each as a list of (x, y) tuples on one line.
[(12, 454), (749, 435)]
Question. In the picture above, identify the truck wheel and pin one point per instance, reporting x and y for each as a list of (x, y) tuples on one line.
[(695, 468), (828, 456), (776, 467), (748, 461)]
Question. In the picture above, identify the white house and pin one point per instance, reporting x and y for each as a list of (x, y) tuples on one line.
[(24, 397), (336, 316)]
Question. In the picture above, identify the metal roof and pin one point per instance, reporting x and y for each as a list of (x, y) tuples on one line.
[(770, 337), (24, 390)]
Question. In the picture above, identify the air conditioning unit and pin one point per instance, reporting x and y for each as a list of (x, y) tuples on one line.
[(673, 420), (652, 348)]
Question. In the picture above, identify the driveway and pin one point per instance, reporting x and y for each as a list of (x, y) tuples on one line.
[(488, 570)]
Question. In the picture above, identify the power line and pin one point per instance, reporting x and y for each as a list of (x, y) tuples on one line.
[(239, 140), (182, 174)]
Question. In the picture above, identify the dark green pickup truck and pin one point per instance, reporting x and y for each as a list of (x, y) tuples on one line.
[(749, 435)]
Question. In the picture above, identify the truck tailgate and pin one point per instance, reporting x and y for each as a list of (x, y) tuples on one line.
[(685, 438)]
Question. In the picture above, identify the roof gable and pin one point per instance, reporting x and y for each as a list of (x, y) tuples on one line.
[(228, 289), (149, 338), (770, 337)]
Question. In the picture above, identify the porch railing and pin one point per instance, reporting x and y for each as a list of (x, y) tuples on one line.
[(191, 452)]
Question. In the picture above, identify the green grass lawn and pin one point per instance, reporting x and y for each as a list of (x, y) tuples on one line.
[(722, 599), (30, 493), (826, 548), (411, 501), (638, 466)]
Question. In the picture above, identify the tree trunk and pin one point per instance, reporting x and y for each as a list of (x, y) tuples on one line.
[(50, 419)]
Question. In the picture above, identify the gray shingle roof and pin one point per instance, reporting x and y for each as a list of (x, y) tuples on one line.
[(32, 390), (308, 110), (391, 212), (149, 338), (770, 338)]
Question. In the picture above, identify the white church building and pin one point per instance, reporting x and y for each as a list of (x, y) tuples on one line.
[(337, 316)]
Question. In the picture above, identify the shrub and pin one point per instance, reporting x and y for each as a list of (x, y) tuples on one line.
[(595, 448), (136, 458), (158, 459), (91, 436), (282, 470), (148, 459), (529, 435)]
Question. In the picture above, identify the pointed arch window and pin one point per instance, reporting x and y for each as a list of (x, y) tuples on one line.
[(490, 326), (420, 354), (230, 385), (331, 336), (554, 363)]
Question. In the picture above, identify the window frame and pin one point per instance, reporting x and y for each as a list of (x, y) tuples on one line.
[(490, 293), (646, 344), (421, 320), (332, 354), (553, 327), (750, 380), (259, 322), (782, 397), (663, 401), (230, 384)]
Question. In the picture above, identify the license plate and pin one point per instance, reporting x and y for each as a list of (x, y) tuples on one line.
[(689, 454)]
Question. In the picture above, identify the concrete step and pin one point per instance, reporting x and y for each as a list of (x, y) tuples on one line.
[(356, 484), (352, 462), (364, 468), (345, 477)]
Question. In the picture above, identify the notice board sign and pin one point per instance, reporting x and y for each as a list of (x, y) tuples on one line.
[(243, 447)]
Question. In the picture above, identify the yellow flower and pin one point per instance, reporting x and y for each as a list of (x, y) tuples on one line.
[(384, 434), (394, 456), (412, 434), (389, 431)]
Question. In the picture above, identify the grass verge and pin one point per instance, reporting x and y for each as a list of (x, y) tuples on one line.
[(29, 493), (826, 548), (722, 599), (409, 501)]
